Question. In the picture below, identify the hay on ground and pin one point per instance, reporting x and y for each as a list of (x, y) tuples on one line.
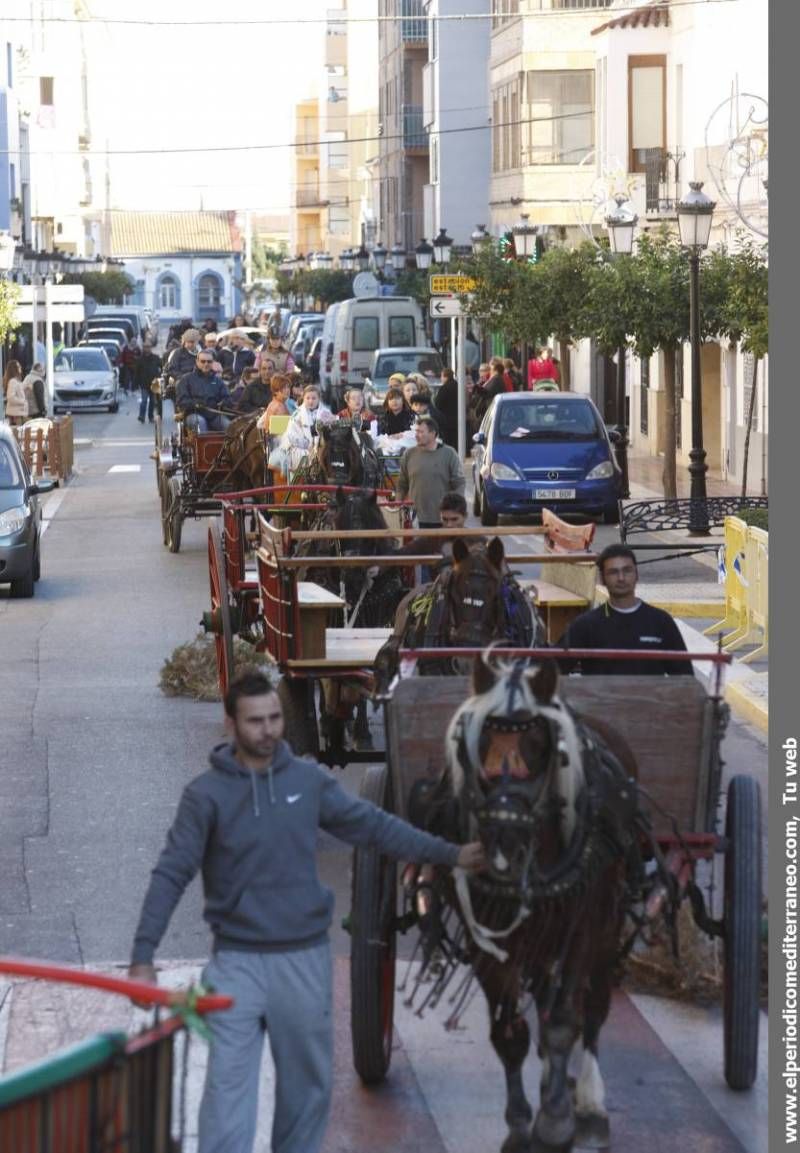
[(191, 670)]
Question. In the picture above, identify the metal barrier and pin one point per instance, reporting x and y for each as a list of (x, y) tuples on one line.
[(746, 567)]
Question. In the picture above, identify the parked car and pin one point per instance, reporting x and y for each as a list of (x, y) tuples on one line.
[(326, 355), (305, 334), (109, 324), (546, 450), (366, 324), (387, 361), (119, 335), (311, 363), (20, 519), (143, 320), (84, 378), (299, 318), (111, 348)]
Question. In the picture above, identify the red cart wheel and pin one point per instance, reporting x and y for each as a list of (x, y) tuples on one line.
[(373, 948), (220, 608)]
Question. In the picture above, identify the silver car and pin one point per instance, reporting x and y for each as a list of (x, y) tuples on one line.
[(84, 378), (20, 519)]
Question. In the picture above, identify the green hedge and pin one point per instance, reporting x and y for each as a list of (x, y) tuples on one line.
[(757, 517)]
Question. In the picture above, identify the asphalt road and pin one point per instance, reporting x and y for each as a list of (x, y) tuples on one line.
[(93, 755)]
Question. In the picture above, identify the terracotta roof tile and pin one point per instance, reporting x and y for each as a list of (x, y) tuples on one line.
[(169, 233), (648, 16)]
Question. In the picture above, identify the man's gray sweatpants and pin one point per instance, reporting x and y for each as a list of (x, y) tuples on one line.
[(289, 996)]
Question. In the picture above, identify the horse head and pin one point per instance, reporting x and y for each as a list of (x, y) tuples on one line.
[(472, 591), (516, 768), (339, 453)]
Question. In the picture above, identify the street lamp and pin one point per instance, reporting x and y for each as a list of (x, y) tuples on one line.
[(524, 237), (379, 255), (362, 258), (480, 240), (347, 260), (620, 225), (424, 255), (324, 260), (441, 247), (694, 224), (398, 257)]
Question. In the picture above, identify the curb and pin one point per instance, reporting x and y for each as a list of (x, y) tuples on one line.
[(747, 706)]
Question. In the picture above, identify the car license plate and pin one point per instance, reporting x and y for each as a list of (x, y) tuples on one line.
[(554, 494)]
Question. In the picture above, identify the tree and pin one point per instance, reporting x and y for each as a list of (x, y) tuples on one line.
[(745, 317), (110, 287), (9, 295), (556, 288)]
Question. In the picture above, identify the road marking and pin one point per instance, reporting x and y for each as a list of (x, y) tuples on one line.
[(125, 468), (51, 508)]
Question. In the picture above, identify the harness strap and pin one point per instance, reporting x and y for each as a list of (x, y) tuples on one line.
[(482, 936)]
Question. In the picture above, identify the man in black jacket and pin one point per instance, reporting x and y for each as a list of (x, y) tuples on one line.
[(148, 369), (201, 396), (256, 394), (182, 360), (625, 622)]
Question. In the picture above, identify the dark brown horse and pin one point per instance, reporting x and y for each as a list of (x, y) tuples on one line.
[(470, 604), (245, 454), (557, 815)]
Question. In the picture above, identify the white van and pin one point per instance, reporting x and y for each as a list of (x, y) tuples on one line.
[(326, 354), (365, 324)]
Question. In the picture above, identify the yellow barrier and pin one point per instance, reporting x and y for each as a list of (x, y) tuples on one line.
[(746, 618), (757, 564), (735, 591)]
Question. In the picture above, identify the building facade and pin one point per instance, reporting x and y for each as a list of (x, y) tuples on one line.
[(183, 263), (456, 114), (404, 163)]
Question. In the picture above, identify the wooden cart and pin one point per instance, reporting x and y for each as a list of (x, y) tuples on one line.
[(674, 729)]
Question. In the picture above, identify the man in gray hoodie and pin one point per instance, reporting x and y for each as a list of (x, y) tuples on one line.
[(251, 824)]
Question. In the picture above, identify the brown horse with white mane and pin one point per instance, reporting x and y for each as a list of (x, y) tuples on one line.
[(558, 817)]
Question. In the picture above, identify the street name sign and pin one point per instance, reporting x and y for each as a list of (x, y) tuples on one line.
[(441, 285), (444, 306), (65, 302)]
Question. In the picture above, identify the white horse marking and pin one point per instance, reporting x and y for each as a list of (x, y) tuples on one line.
[(590, 1091)]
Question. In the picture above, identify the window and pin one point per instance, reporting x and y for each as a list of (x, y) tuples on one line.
[(336, 154), (10, 474), (401, 331), (503, 11), (208, 291), (46, 90), (339, 219), (506, 105), (168, 293), (561, 116), (647, 108), (365, 334)]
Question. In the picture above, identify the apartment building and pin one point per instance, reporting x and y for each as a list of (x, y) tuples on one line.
[(404, 162), (15, 193), (456, 114)]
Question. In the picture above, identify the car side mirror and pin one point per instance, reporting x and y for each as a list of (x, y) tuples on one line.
[(42, 486), (479, 438)]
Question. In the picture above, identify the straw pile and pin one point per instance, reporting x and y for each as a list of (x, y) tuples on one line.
[(191, 670)]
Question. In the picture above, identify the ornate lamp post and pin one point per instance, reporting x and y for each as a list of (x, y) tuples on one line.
[(480, 240), (379, 255), (441, 247), (621, 224), (398, 257), (695, 212), (361, 258), (347, 259), (524, 235), (424, 255)]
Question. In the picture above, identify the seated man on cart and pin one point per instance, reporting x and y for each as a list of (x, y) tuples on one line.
[(202, 397), (624, 622)]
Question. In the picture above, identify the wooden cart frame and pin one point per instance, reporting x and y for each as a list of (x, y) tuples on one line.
[(675, 730)]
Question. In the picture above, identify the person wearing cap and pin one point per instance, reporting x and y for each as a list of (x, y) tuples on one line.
[(281, 357), (242, 356), (427, 472), (182, 360)]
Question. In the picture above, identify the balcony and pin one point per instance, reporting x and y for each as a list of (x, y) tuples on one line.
[(569, 5), (413, 25), (309, 198), (415, 138)]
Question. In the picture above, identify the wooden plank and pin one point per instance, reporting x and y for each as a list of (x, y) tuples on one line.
[(450, 533), (395, 561), (663, 719), (550, 594), (311, 595)]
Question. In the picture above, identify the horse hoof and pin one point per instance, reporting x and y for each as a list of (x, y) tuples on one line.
[(592, 1131), (552, 1134), (517, 1143)]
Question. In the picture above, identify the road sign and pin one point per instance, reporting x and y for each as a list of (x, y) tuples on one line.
[(448, 285), (66, 302), (443, 306)]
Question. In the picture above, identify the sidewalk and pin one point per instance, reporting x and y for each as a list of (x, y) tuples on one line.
[(644, 474)]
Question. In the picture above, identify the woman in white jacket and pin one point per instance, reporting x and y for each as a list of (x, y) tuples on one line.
[(298, 439), (16, 404)]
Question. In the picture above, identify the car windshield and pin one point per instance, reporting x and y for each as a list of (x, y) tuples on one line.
[(10, 475), (428, 363), (81, 360), (554, 419)]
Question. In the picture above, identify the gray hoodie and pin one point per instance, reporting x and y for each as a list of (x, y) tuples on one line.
[(254, 835)]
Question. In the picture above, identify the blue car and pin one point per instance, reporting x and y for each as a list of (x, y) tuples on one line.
[(544, 450)]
